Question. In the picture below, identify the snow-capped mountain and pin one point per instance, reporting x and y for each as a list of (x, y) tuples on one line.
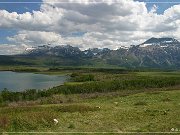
[(95, 52), (46, 50), (163, 42), (64, 50), (154, 53)]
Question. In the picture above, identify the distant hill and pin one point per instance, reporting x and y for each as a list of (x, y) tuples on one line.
[(161, 53)]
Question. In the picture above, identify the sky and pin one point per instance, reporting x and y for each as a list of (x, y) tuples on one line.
[(85, 23)]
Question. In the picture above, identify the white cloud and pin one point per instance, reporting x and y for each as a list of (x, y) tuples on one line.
[(7, 49), (105, 24), (35, 37), (38, 20), (154, 8)]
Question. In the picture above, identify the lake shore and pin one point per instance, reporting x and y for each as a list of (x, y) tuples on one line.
[(21, 81)]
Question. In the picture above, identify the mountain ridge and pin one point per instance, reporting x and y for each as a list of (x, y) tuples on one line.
[(153, 53)]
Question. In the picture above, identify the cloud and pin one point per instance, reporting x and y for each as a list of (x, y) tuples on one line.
[(35, 37), (154, 8), (38, 20), (108, 24), (9, 49)]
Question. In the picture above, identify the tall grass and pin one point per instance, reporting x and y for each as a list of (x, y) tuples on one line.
[(89, 85), (115, 85)]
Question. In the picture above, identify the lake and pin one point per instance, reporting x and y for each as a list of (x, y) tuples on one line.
[(21, 81)]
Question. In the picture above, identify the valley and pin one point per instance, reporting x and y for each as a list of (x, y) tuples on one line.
[(89, 67)]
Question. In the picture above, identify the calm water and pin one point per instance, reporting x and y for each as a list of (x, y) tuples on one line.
[(22, 81)]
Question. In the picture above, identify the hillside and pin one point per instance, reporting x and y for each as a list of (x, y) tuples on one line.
[(153, 53)]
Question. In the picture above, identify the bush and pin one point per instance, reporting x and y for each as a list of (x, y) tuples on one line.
[(76, 108), (82, 78), (90, 86)]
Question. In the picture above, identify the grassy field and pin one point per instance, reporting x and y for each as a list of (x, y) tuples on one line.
[(98, 101), (143, 112)]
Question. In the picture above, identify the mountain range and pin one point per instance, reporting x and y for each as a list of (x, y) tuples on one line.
[(161, 53)]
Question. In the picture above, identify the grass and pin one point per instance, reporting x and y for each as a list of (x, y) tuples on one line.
[(162, 74), (113, 101), (116, 114)]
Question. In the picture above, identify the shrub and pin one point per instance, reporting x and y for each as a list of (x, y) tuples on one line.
[(75, 108), (82, 78), (90, 86)]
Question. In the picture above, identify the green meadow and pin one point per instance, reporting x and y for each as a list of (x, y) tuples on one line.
[(96, 100)]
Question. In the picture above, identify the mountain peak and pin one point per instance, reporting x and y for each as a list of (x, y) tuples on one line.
[(160, 41)]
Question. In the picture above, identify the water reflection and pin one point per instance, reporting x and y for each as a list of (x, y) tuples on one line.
[(21, 81)]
